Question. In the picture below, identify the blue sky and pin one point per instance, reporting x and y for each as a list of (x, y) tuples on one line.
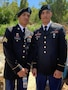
[(34, 3)]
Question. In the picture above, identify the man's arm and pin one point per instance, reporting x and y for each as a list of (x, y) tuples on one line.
[(62, 50), (8, 51), (32, 53)]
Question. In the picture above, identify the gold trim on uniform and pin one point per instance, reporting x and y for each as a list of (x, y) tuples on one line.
[(61, 65), (5, 39), (16, 67)]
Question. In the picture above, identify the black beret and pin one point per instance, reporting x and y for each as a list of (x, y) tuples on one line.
[(44, 7), (24, 10)]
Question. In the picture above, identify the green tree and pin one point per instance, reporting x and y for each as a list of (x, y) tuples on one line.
[(59, 9), (5, 16), (23, 4), (34, 16), (14, 7), (7, 13)]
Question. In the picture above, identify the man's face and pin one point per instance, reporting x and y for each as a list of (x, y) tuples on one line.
[(46, 16), (24, 18)]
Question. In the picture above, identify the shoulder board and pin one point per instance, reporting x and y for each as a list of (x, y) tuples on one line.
[(10, 29), (56, 25)]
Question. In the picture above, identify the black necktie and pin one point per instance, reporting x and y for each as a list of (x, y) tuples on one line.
[(24, 31), (45, 28)]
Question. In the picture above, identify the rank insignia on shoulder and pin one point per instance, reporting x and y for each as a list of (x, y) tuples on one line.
[(5, 39)]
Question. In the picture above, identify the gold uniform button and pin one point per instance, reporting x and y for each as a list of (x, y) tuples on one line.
[(23, 45), (44, 51), (44, 46), (23, 56), (23, 51), (44, 42), (44, 37)]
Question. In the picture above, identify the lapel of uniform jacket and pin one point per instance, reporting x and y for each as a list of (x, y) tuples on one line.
[(49, 30), (20, 31)]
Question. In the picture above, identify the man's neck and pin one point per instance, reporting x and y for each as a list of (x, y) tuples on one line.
[(47, 23), (23, 25)]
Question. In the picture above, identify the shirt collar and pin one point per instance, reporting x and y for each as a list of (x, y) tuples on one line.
[(22, 27), (48, 25)]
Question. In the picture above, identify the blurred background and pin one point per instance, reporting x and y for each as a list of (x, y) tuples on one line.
[(8, 11)]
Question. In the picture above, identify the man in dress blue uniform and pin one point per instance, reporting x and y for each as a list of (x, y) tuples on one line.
[(16, 44), (48, 51)]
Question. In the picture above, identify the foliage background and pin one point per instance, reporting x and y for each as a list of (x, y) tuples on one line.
[(9, 10)]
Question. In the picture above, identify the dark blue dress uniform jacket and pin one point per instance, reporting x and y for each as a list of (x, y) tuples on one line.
[(48, 49), (15, 45)]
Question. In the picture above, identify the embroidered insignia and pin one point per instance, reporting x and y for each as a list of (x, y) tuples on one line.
[(37, 35), (5, 39), (17, 37), (29, 38), (54, 33)]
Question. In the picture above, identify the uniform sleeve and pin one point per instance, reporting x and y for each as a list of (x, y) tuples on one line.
[(8, 52), (62, 50), (32, 53)]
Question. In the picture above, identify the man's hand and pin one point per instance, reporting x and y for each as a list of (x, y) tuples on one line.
[(22, 72), (34, 72), (26, 70), (57, 74)]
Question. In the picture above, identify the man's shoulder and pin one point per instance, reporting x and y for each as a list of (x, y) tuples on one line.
[(11, 28), (27, 31), (37, 30), (56, 25)]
